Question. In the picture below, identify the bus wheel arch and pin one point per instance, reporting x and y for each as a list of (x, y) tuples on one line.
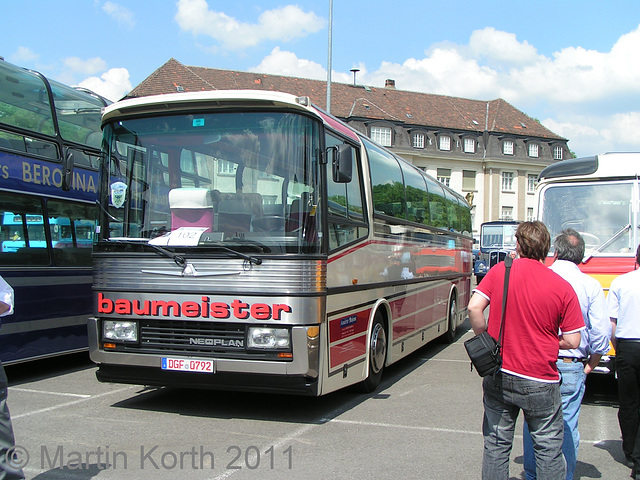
[(377, 349)]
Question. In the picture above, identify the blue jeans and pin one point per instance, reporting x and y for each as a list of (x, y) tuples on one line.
[(572, 391), (504, 397)]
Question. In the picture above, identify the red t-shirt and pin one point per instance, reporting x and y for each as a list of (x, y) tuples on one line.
[(540, 303)]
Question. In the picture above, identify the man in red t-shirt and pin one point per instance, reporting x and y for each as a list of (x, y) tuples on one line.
[(539, 305)]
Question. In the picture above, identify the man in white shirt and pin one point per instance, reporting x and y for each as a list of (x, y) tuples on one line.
[(7, 441), (624, 305)]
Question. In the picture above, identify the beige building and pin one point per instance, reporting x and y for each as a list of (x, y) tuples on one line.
[(489, 151)]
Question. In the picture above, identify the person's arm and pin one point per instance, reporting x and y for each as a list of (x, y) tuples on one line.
[(4, 308), (598, 328), (594, 360), (614, 340), (570, 340), (477, 305)]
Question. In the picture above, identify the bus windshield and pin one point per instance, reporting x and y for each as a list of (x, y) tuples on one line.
[(241, 180), (498, 237), (601, 212)]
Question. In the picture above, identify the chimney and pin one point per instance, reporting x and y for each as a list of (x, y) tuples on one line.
[(390, 84)]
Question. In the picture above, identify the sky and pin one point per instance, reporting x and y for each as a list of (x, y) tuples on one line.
[(571, 64)]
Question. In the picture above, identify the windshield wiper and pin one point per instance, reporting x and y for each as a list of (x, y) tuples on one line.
[(216, 244), (613, 238), (178, 259)]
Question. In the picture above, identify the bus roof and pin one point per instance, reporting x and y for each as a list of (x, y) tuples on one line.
[(204, 100), (606, 165)]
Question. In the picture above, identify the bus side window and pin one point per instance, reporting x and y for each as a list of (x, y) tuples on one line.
[(347, 221), (23, 239), (71, 226)]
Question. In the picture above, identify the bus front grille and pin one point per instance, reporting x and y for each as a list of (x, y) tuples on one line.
[(205, 339)]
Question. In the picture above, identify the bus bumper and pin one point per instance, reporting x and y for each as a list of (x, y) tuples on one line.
[(246, 382), (299, 376)]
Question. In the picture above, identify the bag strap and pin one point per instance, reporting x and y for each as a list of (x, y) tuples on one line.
[(507, 263)]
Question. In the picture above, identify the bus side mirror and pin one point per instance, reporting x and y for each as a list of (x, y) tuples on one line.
[(342, 163), (67, 171)]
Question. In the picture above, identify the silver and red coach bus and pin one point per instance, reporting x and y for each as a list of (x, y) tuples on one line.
[(250, 241)]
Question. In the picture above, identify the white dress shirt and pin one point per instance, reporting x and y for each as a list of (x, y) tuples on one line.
[(596, 335), (624, 304)]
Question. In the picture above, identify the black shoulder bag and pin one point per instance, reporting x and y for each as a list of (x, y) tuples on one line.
[(483, 349)]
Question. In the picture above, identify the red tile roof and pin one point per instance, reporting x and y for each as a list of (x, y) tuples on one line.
[(348, 102)]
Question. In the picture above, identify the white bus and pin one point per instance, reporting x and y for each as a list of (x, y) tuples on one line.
[(248, 240), (599, 197)]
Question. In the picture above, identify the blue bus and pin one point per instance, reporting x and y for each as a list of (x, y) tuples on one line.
[(497, 240), (49, 152)]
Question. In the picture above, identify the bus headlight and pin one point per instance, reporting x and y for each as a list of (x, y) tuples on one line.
[(119, 331), (268, 338)]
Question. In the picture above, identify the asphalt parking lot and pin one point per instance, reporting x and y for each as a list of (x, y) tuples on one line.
[(424, 422)]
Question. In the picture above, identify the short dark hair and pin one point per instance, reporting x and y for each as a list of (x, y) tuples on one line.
[(569, 245), (534, 240)]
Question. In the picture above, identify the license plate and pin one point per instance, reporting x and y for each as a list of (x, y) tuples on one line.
[(188, 365)]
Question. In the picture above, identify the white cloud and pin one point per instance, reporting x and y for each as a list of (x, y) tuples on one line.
[(501, 47), (282, 62), (281, 24), (85, 67), (113, 84), (444, 72), (120, 14), (23, 56)]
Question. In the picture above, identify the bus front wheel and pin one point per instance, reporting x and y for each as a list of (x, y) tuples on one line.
[(377, 355)]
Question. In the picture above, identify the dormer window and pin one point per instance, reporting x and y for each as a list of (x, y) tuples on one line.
[(381, 135), (558, 152), (534, 150), (418, 140), (508, 147), (469, 145), (445, 142)]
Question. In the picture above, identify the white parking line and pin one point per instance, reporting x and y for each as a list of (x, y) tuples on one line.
[(429, 429), (62, 394), (75, 402)]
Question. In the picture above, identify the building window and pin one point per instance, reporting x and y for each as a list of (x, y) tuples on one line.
[(507, 181), (226, 168), (381, 135), (444, 176), (533, 150), (468, 180), (508, 147), (531, 183), (507, 214), (469, 145), (557, 153), (418, 140), (445, 142), (529, 214)]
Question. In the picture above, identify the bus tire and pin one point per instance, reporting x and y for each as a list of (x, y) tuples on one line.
[(377, 355), (452, 323)]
